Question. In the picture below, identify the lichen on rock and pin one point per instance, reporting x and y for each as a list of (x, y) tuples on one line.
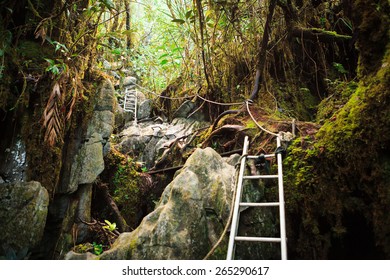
[(23, 211)]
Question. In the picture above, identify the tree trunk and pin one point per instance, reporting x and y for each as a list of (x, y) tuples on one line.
[(262, 56), (128, 24)]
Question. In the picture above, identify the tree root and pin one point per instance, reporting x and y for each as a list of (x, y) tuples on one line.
[(121, 222)]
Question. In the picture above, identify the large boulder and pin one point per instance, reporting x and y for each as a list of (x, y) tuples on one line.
[(192, 214), (189, 217), (23, 212)]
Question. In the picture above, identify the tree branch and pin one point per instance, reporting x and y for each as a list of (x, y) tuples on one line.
[(317, 34)]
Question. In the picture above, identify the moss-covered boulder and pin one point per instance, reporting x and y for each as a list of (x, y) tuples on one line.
[(23, 211)]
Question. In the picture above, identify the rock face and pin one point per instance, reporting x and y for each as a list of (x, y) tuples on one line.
[(83, 164), (23, 212), (88, 162), (149, 140), (180, 227), (13, 166)]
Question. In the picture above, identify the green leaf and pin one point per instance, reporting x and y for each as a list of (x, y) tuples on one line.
[(116, 51), (178, 20), (108, 4), (177, 49), (208, 13), (110, 226), (164, 55), (163, 62), (188, 14), (127, 32), (51, 61), (340, 68), (55, 70), (97, 248)]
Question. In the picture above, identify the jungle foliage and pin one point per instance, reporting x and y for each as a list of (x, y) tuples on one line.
[(324, 63)]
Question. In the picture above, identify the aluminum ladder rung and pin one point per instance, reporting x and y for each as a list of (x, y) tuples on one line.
[(252, 177), (258, 239), (266, 156), (259, 204)]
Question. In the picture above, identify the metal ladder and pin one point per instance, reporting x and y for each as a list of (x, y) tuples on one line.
[(237, 204), (130, 102)]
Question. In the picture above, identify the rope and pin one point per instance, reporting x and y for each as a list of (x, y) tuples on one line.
[(227, 226), (166, 97), (247, 102), (262, 128), (186, 97), (218, 103)]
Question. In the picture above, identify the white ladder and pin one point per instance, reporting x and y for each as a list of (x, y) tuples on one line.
[(130, 102), (237, 204)]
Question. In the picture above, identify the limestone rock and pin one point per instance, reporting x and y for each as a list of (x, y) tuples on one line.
[(83, 212), (184, 110), (23, 212), (13, 166), (129, 81), (179, 227), (148, 140), (144, 109), (102, 122), (88, 164), (105, 98)]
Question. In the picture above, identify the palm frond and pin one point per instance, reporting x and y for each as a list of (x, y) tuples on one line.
[(52, 120)]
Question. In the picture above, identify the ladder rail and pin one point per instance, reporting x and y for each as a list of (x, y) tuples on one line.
[(235, 219), (282, 216)]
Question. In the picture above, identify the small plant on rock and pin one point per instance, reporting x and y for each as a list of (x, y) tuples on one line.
[(110, 226)]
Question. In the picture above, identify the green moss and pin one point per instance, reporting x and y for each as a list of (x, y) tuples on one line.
[(133, 244), (250, 124), (342, 91), (83, 248), (331, 33), (342, 171), (124, 182)]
